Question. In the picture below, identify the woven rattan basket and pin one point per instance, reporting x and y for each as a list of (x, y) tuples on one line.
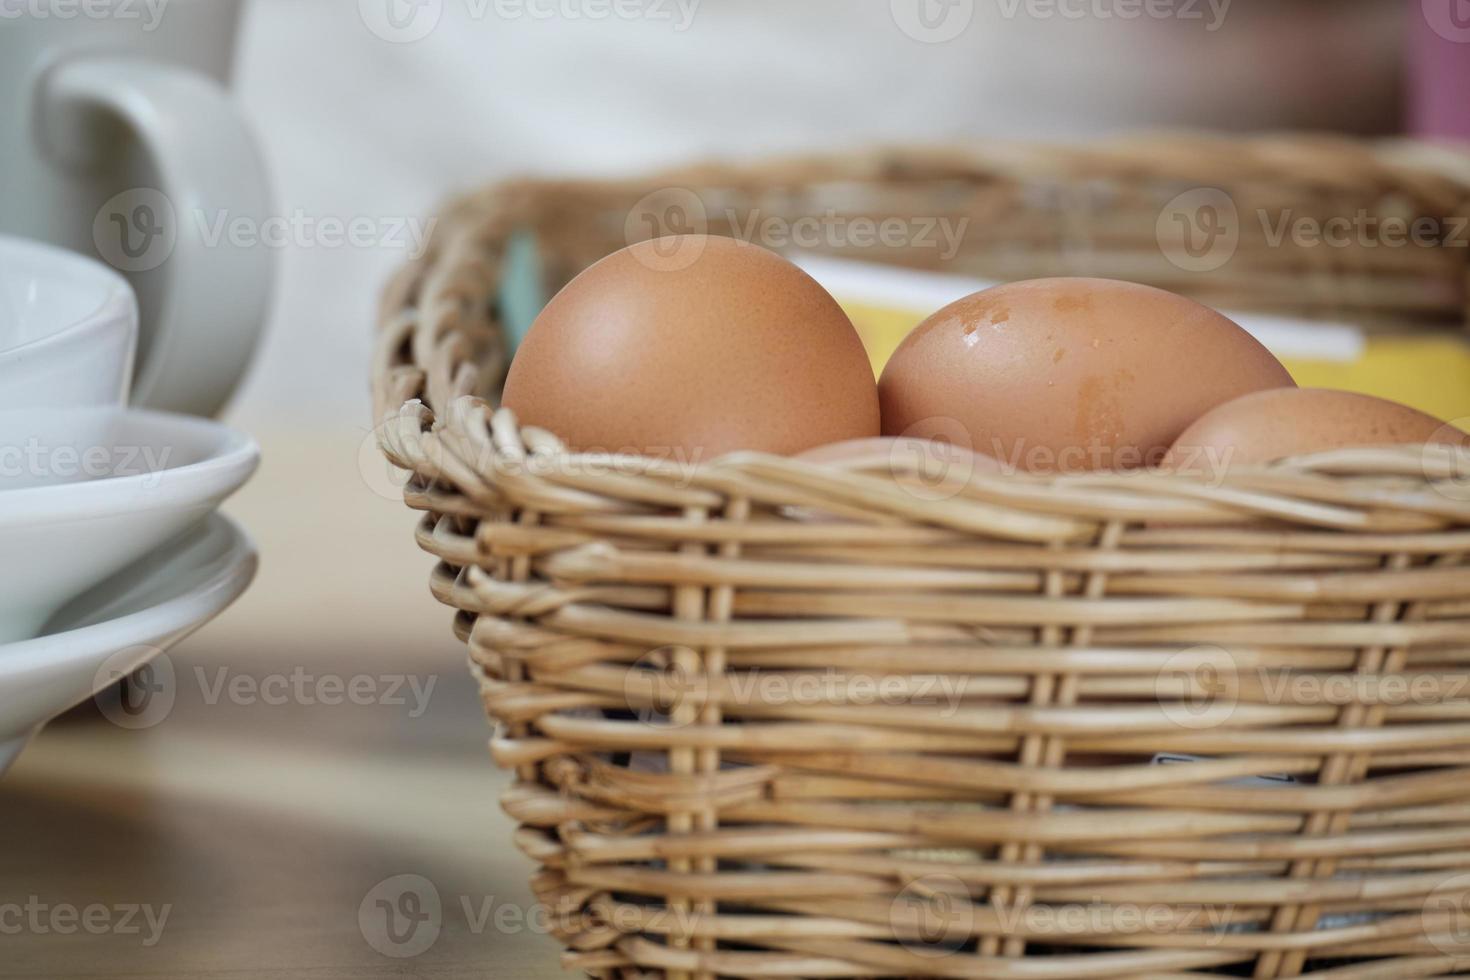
[(1087, 726)]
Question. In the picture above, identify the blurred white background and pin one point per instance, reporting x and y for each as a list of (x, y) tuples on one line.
[(362, 119)]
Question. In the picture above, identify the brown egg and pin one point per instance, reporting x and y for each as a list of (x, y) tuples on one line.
[(1270, 425), (694, 346), (1068, 375)]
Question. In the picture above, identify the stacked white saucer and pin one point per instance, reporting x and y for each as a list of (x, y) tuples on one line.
[(110, 548)]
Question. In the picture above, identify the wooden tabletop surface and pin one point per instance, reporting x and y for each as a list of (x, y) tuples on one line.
[(196, 850)]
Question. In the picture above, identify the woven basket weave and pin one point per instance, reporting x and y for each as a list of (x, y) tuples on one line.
[(776, 719)]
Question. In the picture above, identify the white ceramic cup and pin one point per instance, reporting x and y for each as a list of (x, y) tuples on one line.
[(118, 139), (67, 329)]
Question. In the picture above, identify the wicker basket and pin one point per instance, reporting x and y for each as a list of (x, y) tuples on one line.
[(1088, 726)]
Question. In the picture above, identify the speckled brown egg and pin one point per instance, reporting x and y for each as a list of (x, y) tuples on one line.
[(1068, 375), (1270, 425), (694, 346)]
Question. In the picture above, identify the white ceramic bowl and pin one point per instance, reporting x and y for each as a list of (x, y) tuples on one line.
[(119, 626), (83, 493), (68, 326)]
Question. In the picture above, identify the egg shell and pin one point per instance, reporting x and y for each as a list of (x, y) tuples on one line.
[(1270, 425), (1068, 375), (694, 346)]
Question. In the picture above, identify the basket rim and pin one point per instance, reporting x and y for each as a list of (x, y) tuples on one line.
[(483, 454)]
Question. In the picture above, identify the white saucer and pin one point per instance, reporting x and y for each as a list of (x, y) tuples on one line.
[(119, 626), (85, 492)]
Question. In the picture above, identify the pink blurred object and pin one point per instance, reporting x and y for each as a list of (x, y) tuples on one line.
[(1439, 68)]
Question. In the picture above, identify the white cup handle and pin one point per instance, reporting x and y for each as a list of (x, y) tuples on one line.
[(215, 290)]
